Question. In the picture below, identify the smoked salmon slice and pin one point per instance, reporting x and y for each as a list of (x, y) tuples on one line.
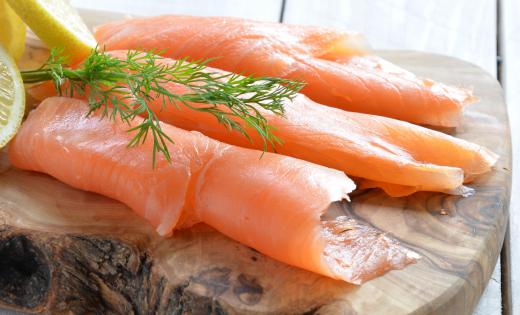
[(273, 204), (337, 66), (398, 157)]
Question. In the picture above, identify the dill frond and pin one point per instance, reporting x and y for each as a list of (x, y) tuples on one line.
[(123, 88)]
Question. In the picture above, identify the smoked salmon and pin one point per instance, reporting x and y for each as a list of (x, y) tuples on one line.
[(396, 156), (337, 66), (273, 204)]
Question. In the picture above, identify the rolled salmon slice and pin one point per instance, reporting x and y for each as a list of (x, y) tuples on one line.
[(400, 155), (273, 204), (337, 66)]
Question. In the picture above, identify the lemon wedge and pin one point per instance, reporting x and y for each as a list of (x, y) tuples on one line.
[(57, 24), (12, 36), (12, 98)]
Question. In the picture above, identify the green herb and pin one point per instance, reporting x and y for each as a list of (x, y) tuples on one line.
[(123, 88)]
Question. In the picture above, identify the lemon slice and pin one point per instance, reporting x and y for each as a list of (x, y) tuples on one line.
[(12, 34), (12, 98), (57, 24)]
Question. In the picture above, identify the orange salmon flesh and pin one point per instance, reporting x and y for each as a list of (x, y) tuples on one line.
[(273, 204), (337, 66), (398, 157)]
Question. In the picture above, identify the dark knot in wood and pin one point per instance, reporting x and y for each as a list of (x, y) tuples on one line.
[(24, 273)]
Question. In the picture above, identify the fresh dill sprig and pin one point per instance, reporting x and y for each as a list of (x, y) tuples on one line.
[(123, 88)]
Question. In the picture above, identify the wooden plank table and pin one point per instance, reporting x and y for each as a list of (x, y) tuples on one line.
[(442, 26), (509, 50)]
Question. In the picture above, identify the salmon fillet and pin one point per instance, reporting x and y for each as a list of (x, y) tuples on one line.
[(396, 156), (273, 204), (336, 65)]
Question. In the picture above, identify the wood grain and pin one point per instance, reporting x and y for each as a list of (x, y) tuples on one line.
[(510, 49), (72, 251)]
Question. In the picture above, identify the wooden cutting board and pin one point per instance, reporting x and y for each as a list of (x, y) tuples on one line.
[(63, 250)]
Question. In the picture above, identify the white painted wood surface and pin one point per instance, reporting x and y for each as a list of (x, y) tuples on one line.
[(460, 28), (265, 10), (464, 29), (510, 50)]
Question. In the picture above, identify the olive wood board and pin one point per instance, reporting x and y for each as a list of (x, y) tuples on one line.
[(63, 250)]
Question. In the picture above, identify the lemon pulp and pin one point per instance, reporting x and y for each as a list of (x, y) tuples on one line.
[(12, 98)]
